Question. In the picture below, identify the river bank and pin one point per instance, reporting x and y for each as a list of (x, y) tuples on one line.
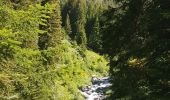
[(97, 90)]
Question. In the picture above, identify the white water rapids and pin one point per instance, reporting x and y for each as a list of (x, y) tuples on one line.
[(97, 89)]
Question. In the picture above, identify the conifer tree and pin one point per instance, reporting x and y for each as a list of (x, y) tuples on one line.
[(73, 14), (134, 40), (77, 13), (53, 36), (95, 38), (67, 25), (80, 34)]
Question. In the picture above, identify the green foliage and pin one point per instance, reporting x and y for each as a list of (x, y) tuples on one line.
[(36, 62), (95, 38), (76, 9), (23, 22), (67, 26), (96, 64), (80, 36), (21, 4), (53, 35), (8, 43), (84, 18), (135, 36), (22, 70), (73, 71)]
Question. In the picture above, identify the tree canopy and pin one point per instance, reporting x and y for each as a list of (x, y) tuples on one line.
[(49, 49)]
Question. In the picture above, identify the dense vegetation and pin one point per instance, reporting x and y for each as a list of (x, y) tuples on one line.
[(136, 36), (47, 48), (37, 58)]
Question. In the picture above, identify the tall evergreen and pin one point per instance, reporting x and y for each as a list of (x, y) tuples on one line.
[(133, 38), (80, 34), (54, 71), (71, 9), (77, 13), (53, 35), (95, 38), (67, 25)]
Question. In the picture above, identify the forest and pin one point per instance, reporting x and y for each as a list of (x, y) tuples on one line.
[(52, 49)]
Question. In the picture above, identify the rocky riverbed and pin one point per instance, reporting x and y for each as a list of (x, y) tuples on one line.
[(97, 90)]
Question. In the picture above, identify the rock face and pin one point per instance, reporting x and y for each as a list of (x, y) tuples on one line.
[(97, 90)]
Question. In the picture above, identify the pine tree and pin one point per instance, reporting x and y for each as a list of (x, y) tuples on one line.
[(134, 40), (77, 14), (71, 7), (80, 34), (53, 36), (95, 38), (67, 26)]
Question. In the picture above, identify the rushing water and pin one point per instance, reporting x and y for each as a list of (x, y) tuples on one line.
[(97, 90)]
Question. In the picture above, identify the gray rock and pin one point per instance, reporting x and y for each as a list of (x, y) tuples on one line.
[(97, 90)]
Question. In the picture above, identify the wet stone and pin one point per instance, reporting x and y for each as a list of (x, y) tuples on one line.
[(97, 89)]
